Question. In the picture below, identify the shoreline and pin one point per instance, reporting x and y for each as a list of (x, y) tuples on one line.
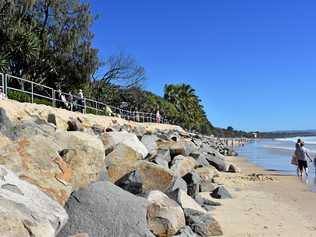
[(265, 203)]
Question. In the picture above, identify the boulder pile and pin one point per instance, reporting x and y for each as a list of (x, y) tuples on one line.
[(66, 174)]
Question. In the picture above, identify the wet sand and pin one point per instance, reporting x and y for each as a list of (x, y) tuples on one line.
[(265, 203)]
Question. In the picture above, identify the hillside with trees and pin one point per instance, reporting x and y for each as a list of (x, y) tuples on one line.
[(50, 42)]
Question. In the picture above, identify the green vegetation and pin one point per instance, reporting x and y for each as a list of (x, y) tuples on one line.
[(23, 97), (50, 42)]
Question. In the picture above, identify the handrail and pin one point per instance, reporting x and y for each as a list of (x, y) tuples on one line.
[(2, 81), (87, 103)]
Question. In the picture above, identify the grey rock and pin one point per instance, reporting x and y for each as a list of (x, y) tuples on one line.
[(132, 182), (28, 204), (200, 159), (202, 200), (208, 207), (203, 224), (207, 186), (177, 183), (31, 128), (74, 125), (128, 139), (193, 182), (162, 158), (150, 142), (217, 160), (51, 118), (103, 209), (186, 232), (84, 154), (165, 217), (184, 200), (5, 123), (182, 165), (233, 168), (221, 193)]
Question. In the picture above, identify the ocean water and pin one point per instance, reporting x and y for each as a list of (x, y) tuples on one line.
[(276, 154)]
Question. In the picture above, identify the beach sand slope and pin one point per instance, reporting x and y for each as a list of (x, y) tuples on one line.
[(265, 203)]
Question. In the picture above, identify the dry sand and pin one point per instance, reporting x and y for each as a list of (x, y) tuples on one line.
[(268, 204)]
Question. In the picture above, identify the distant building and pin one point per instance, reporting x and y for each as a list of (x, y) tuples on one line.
[(255, 135)]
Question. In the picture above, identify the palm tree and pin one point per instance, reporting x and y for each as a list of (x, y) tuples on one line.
[(188, 104)]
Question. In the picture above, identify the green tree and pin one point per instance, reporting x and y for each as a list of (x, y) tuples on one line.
[(48, 41), (191, 113)]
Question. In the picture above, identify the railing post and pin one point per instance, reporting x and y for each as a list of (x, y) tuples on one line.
[(6, 85), (84, 104), (96, 107), (53, 98), (32, 92), (2, 81)]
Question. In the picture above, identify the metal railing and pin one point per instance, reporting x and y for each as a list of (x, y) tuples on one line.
[(29, 91), (2, 81)]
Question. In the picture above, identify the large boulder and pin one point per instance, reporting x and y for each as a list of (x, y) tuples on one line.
[(150, 142), (182, 165), (29, 128), (35, 160), (84, 155), (121, 154), (127, 139), (132, 182), (200, 159), (181, 147), (25, 210), (233, 169), (203, 224), (177, 183), (221, 193), (154, 176), (162, 158), (186, 232), (207, 174), (74, 124), (4, 140), (193, 181), (217, 160), (185, 201), (165, 217), (205, 199), (103, 209), (174, 147)]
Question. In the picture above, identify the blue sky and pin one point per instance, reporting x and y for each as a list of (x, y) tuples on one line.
[(253, 63)]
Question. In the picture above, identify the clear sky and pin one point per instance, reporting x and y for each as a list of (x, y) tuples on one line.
[(253, 63)]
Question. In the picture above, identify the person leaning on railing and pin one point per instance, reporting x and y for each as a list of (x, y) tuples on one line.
[(70, 101), (158, 117)]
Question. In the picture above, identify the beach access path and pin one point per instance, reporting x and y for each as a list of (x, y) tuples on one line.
[(265, 203)]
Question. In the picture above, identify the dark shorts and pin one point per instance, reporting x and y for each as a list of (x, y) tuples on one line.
[(302, 164)]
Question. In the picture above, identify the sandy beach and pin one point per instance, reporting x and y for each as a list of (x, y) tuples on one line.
[(265, 203)]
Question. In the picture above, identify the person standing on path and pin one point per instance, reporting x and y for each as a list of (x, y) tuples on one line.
[(302, 159)]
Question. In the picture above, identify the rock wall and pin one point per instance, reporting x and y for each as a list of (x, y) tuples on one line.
[(69, 174)]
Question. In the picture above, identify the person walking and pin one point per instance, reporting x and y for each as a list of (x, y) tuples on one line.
[(296, 154), (302, 159)]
